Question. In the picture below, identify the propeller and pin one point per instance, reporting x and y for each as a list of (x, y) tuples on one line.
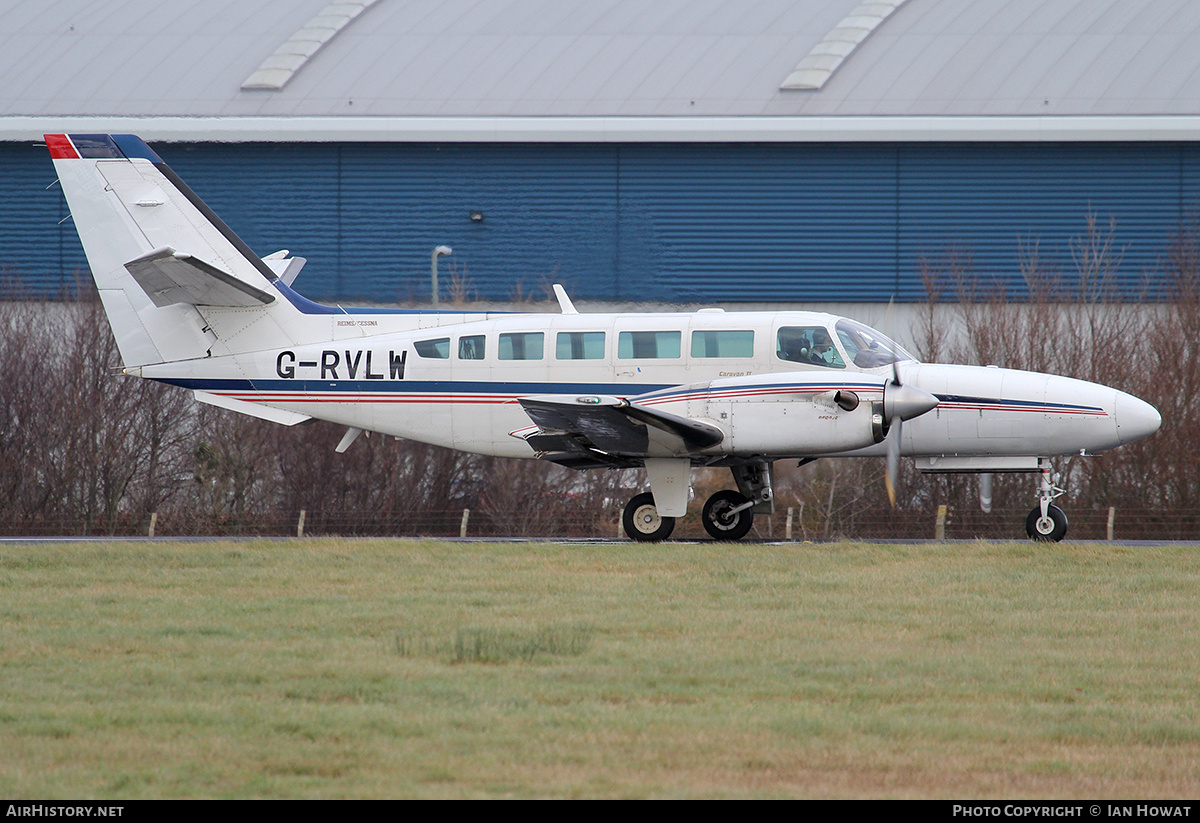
[(900, 402)]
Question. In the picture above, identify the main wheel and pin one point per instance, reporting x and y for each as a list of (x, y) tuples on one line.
[(643, 522), (1048, 529), (721, 521)]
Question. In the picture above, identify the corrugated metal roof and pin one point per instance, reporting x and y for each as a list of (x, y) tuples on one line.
[(673, 59)]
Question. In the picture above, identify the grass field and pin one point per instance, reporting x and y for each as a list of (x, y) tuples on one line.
[(371, 668)]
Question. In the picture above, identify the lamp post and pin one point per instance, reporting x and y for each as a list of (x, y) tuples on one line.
[(440, 251)]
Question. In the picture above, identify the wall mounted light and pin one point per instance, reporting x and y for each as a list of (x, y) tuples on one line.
[(440, 251)]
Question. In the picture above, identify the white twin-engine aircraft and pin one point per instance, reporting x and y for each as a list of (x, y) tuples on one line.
[(191, 305)]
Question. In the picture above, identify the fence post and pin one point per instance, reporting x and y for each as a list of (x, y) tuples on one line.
[(300, 525), (462, 530), (939, 531), (154, 519), (789, 524), (1112, 515)]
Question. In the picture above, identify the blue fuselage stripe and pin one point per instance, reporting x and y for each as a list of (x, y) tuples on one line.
[(482, 387), (413, 386), (993, 401)]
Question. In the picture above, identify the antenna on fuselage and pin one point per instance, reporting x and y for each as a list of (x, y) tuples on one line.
[(564, 302)]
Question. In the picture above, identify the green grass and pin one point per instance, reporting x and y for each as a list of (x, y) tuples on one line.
[(331, 668)]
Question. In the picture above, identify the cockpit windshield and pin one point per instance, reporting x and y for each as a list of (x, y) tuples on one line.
[(866, 347)]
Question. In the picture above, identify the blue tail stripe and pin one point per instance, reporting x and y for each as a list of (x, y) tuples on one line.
[(132, 147), (96, 146)]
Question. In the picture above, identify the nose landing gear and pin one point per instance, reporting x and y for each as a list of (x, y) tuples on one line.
[(1047, 523), (1049, 527)]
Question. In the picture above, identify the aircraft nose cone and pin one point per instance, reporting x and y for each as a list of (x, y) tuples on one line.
[(906, 401), (1135, 418)]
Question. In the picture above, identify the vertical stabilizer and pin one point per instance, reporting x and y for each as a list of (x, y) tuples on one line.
[(169, 272)]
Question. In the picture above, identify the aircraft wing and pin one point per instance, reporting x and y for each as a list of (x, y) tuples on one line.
[(600, 430), (170, 277)]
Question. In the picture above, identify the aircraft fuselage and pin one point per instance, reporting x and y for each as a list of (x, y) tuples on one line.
[(454, 380)]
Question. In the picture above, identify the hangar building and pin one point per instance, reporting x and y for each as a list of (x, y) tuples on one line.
[(792, 151)]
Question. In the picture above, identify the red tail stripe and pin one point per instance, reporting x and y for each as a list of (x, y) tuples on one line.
[(60, 147)]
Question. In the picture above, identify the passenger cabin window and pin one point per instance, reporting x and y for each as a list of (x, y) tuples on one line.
[(437, 349), (580, 345), (471, 348), (808, 344), (649, 345), (521, 346), (722, 343)]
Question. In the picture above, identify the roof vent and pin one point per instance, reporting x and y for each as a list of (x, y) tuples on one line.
[(819, 64), (280, 67)]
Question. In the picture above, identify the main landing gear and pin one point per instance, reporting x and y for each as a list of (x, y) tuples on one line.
[(643, 522), (1047, 523), (727, 515)]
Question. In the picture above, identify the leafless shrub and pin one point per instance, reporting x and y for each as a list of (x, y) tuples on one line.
[(461, 290)]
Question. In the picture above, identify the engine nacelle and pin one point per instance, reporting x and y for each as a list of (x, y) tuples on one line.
[(798, 413)]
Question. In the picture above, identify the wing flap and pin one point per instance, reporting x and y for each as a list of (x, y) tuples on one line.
[(696, 434), (170, 277), (612, 425), (601, 424)]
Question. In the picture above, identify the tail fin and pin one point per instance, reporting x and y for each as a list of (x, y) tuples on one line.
[(159, 256)]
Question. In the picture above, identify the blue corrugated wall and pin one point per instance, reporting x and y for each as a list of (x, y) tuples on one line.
[(678, 222)]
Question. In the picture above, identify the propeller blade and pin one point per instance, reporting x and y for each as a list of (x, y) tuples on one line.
[(893, 462), (889, 324), (900, 403)]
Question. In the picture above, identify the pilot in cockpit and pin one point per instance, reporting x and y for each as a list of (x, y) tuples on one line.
[(809, 344), (822, 349)]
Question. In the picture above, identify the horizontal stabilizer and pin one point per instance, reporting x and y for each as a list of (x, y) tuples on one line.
[(170, 277), (287, 418)]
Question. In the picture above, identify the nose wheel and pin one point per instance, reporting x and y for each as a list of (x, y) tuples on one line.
[(1046, 528), (1047, 523)]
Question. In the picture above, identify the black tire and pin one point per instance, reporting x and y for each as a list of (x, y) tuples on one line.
[(643, 522), (717, 520), (1049, 530)]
